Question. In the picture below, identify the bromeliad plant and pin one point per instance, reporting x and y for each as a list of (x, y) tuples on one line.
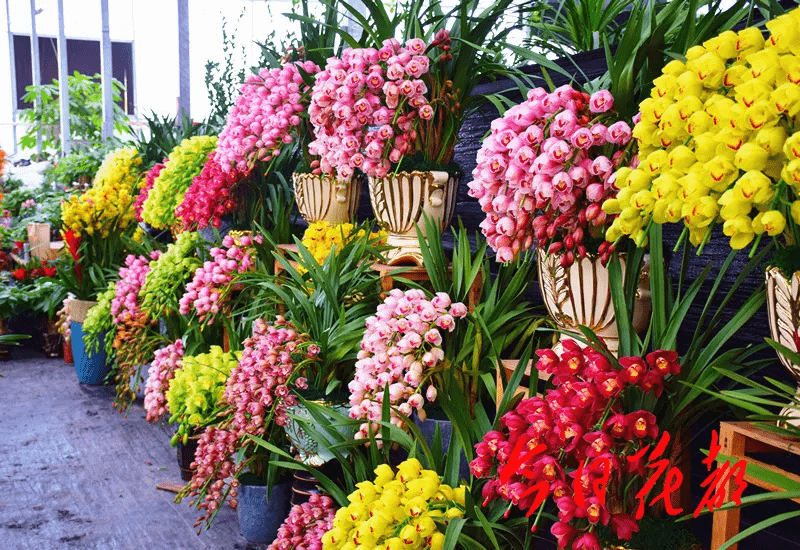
[(545, 171)]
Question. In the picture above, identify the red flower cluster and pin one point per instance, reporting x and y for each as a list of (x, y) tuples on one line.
[(209, 196), (577, 440), (150, 179), (45, 270)]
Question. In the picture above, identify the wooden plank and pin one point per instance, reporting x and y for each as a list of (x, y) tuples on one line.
[(170, 487), (726, 522), (766, 485), (748, 429)]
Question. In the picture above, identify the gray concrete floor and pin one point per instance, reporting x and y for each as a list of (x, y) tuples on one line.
[(74, 473)]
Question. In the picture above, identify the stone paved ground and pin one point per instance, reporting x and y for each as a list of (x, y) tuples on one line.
[(74, 473)]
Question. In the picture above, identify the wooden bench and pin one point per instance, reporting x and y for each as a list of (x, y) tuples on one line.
[(737, 439)]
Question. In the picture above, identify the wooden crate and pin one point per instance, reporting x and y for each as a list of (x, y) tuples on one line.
[(737, 439)]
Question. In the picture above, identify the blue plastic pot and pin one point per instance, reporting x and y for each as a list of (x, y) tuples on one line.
[(259, 518), (91, 368), (428, 427)]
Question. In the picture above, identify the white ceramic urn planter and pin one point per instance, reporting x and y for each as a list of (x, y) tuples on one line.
[(581, 295), (319, 198), (783, 312), (399, 200)]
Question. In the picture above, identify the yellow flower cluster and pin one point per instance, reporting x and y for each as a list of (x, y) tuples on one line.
[(108, 205), (321, 237), (718, 141), (396, 511), (184, 163)]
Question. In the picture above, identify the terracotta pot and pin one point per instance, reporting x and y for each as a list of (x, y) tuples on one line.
[(319, 198), (399, 202), (580, 295), (783, 313)]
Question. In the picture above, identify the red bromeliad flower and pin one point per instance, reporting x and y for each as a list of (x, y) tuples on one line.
[(19, 274), (73, 241), (575, 442)]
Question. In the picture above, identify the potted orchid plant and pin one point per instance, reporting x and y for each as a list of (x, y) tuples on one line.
[(543, 175), (694, 169), (394, 112)]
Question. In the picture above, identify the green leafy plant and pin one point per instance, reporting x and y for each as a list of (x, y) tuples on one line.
[(330, 301), (164, 134), (223, 79), (503, 322), (98, 322), (85, 108)]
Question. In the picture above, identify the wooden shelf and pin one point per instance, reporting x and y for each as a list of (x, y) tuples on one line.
[(737, 439)]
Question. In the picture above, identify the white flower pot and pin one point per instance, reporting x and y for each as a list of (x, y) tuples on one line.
[(321, 199), (399, 202), (783, 312), (581, 295)]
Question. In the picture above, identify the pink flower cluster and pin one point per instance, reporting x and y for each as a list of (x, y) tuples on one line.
[(213, 466), (211, 282), (402, 341), (125, 304), (571, 436), (366, 105), (163, 368), (262, 120), (149, 180), (306, 524), (544, 172), (258, 393), (209, 196), (259, 385)]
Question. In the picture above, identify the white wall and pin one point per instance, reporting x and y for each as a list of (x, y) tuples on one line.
[(153, 27)]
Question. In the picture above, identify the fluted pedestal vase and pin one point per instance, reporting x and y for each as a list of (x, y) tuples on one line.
[(319, 198), (399, 201), (581, 295), (783, 312)]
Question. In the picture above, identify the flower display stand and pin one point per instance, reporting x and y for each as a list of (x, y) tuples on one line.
[(737, 439), (389, 273), (508, 367), (281, 248)]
